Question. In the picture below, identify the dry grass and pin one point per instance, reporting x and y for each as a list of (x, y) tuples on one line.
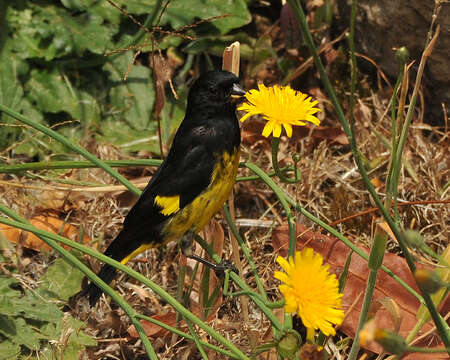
[(331, 189)]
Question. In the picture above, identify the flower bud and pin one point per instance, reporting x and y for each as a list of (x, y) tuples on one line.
[(391, 342), (428, 280), (414, 239), (289, 344), (367, 333), (402, 55), (296, 157)]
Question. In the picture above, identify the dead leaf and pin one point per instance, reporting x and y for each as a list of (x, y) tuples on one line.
[(52, 199), (335, 254), (317, 134), (152, 329), (47, 223), (362, 113), (384, 225)]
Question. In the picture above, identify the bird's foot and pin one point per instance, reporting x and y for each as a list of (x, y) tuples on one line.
[(219, 269)]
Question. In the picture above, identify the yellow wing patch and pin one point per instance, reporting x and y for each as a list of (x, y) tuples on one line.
[(136, 252), (168, 204)]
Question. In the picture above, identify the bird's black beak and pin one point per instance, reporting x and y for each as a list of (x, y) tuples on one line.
[(237, 91)]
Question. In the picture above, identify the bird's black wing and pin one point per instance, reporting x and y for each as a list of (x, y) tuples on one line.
[(185, 173)]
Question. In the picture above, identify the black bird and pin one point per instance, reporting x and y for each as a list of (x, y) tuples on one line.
[(194, 180)]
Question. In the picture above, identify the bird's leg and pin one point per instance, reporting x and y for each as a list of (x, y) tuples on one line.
[(186, 248)]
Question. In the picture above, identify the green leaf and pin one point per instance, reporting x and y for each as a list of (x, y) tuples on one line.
[(17, 330), (48, 31), (52, 92), (9, 350), (11, 93), (100, 8), (7, 307), (5, 288), (128, 139), (181, 13), (61, 280), (35, 307), (77, 342), (131, 100), (254, 50)]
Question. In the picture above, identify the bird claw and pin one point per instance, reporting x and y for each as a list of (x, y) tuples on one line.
[(219, 269), (224, 265)]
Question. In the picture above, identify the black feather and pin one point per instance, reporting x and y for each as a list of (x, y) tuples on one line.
[(209, 128)]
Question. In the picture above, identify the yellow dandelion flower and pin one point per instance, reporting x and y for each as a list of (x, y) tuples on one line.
[(311, 291), (281, 106)]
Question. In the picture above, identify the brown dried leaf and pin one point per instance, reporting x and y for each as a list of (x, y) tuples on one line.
[(335, 254), (47, 223), (153, 329), (332, 135)]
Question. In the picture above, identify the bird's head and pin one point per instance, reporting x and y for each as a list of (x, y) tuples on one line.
[(215, 88)]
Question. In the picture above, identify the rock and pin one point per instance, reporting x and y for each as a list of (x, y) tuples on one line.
[(382, 25)]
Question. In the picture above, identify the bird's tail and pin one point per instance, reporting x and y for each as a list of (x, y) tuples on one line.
[(107, 274), (118, 250)]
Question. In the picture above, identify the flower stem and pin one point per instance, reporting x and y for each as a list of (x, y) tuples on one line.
[(283, 200), (186, 336), (75, 262), (389, 188), (255, 297), (370, 286), (280, 172), (75, 147), (375, 261), (441, 326), (417, 349), (141, 278), (351, 41), (245, 251)]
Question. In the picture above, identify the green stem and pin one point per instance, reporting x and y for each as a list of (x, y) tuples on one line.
[(61, 165), (389, 190), (197, 341), (351, 41), (57, 165), (283, 201), (245, 250), (255, 297), (352, 246), (280, 172), (291, 221), (75, 147), (187, 336), (364, 312), (157, 289), (416, 349), (441, 325), (261, 305), (375, 260), (71, 259), (417, 327)]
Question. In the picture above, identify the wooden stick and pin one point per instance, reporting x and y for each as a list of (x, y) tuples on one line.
[(231, 58)]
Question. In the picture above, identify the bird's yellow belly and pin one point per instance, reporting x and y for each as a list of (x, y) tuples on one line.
[(198, 213)]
